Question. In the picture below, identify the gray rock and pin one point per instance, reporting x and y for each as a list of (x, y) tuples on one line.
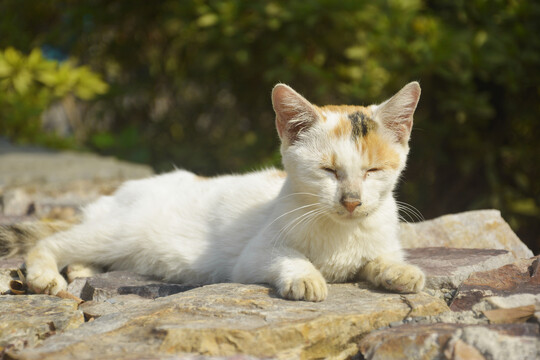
[(103, 286), (39, 167), (482, 229), (55, 185)]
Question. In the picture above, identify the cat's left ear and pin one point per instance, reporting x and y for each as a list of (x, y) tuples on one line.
[(396, 113), (294, 113)]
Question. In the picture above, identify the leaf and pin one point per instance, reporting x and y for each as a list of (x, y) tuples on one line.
[(22, 81), (34, 59), (12, 56), (207, 20)]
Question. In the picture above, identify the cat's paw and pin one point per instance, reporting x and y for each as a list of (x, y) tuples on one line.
[(47, 281), (403, 278), (311, 287)]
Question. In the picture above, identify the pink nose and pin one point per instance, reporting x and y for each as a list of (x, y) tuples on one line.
[(350, 204)]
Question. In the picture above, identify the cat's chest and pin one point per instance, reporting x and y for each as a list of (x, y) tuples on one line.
[(338, 259)]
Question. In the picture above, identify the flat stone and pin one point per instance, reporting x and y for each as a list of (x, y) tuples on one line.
[(482, 229), (232, 319), (449, 267), (106, 285), (453, 341), (26, 320), (521, 277)]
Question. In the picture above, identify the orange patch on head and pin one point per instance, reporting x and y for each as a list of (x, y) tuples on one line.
[(379, 152), (343, 128)]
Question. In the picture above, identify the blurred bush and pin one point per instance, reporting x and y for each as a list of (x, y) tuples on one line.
[(30, 84), (190, 83)]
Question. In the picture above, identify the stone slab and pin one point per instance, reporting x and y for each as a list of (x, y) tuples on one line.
[(26, 320), (449, 267), (231, 319), (482, 229), (453, 341), (521, 277)]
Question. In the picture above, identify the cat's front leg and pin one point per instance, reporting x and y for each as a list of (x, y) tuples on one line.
[(296, 278), (394, 275), (292, 275)]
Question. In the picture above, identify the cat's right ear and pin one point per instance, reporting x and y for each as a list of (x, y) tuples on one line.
[(294, 113)]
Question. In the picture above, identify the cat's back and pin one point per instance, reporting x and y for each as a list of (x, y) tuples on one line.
[(187, 194)]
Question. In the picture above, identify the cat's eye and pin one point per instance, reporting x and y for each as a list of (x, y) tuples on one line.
[(372, 171), (331, 171)]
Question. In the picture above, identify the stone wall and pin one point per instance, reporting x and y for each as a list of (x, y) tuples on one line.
[(481, 300)]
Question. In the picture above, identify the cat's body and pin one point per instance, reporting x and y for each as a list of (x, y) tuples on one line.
[(331, 217)]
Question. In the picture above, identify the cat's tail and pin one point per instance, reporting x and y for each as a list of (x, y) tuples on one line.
[(18, 238)]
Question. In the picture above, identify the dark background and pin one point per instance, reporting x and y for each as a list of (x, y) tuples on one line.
[(188, 83)]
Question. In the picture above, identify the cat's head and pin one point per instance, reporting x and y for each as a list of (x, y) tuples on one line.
[(348, 157)]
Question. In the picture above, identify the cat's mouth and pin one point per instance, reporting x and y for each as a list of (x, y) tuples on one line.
[(343, 215)]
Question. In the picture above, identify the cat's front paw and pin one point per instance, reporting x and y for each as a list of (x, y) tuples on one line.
[(46, 281), (403, 278), (311, 287)]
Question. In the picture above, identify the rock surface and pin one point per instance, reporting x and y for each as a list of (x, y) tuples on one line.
[(483, 229), (522, 277), (453, 341), (228, 319), (476, 268), (449, 267), (28, 319), (39, 183), (107, 285)]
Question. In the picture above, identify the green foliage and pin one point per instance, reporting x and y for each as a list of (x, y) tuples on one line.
[(190, 83), (30, 84)]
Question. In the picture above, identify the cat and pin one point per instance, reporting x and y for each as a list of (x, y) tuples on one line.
[(330, 216)]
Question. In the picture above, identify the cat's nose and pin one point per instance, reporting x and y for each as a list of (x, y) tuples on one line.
[(350, 204)]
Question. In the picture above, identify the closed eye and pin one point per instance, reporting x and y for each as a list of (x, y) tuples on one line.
[(331, 171), (372, 170)]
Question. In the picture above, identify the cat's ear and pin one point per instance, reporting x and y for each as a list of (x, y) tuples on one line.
[(396, 113), (294, 114)]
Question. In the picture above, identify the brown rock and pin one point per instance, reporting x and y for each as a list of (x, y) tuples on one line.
[(484, 229), (453, 341), (521, 277), (231, 319)]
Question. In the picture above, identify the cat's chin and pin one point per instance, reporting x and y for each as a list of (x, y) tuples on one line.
[(347, 218)]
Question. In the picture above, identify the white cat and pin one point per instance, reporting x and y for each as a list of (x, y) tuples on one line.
[(331, 217)]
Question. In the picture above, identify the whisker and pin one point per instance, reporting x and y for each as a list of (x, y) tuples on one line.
[(287, 213)]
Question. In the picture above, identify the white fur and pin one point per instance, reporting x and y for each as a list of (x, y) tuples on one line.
[(256, 228)]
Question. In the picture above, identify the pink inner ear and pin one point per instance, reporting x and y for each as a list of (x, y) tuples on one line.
[(293, 112), (397, 112)]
